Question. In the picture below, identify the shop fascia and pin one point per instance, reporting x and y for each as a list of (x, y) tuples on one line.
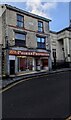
[(22, 53)]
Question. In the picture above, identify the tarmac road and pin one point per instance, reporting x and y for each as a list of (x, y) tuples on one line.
[(45, 96)]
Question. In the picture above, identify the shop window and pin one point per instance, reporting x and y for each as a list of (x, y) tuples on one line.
[(20, 39), (30, 64), (41, 42), (45, 62), (23, 64), (20, 21), (40, 26)]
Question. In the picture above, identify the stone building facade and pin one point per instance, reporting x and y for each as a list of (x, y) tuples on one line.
[(61, 46), (25, 41), (0, 61), (0, 46)]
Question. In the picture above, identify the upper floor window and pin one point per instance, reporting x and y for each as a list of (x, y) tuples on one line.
[(20, 21), (20, 39), (40, 26), (41, 42)]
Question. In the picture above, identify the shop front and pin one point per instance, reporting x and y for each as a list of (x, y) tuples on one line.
[(20, 61), (25, 63)]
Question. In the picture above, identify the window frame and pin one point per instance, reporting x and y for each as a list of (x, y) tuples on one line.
[(40, 27), (20, 34), (41, 43), (22, 41), (20, 21)]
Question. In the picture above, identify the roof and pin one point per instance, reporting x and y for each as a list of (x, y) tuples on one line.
[(67, 28), (53, 32), (26, 13)]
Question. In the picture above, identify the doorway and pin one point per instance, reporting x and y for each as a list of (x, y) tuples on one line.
[(12, 67)]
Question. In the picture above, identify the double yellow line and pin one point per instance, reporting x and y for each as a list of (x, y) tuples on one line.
[(17, 82), (13, 84), (69, 118)]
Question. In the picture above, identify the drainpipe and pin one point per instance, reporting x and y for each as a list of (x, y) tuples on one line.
[(7, 57)]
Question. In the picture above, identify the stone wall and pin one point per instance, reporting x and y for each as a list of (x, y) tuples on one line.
[(59, 41), (0, 61), (53, 43), (30, 27), (0, 42)]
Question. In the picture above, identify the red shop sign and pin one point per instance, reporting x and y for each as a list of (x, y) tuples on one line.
[(14, 52)]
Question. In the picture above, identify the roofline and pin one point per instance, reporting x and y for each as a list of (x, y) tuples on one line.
[(26, 13), (53, 32), (67, 28)]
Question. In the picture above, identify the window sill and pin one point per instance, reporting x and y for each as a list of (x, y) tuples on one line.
[(42, 48), (40, 31)]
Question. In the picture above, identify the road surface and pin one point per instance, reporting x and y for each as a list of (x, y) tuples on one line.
[(45, 96)]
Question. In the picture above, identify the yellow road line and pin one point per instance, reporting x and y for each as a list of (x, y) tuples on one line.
[(69, 118), (17, 82), (13, 84)]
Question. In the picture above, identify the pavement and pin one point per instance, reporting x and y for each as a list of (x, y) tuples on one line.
[(14, 78)]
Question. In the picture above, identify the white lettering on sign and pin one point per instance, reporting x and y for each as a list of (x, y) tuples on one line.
[(14, 52)]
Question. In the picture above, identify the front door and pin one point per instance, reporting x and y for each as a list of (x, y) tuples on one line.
[(12, 67)]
